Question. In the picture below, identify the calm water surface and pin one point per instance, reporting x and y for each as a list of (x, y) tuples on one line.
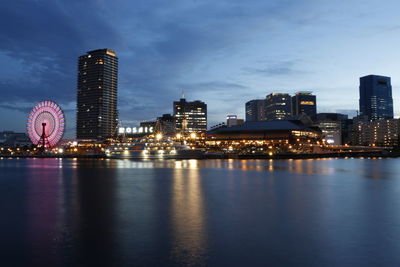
[(64, 212)]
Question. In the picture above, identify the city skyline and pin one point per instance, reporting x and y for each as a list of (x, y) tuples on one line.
[(163, 55)]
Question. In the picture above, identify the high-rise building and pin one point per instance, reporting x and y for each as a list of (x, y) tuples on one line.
[(304, 103), (278, 106), (376, 100), (190, 116), (97, 115), (255, 110)]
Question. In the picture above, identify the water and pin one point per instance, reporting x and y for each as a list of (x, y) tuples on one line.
[(63, 212)]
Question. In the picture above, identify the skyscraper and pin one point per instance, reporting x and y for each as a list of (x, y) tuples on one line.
[(278, 106), (190, 116), (97, 115), (376, 100), (255, 110), (304, 103)]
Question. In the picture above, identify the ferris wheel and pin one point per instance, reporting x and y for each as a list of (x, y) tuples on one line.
[(46, 124)]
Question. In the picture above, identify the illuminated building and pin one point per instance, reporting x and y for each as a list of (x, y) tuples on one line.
[(376, 100), (376, 133), (304, 103), (333, 127), (280, 134), (190, 116), (166, 123), (255, 110), (278, 106), (232, 120), (97, 95)]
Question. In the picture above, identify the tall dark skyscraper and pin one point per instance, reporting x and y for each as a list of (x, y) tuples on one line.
[(376, 100), (304, 103), (255, 110), (278, 106), (97, 115), (190, 116)]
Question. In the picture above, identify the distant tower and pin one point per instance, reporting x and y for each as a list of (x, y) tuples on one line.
[(255, 110), (97, 115), (376, 100), (190, 116), (304, 103), (278, 106)]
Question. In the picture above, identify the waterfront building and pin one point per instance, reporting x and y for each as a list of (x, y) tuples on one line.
[(255, 110), (166, 124), (278, 106), (383, 133), (333, 127), (276, 136), (304, 103), (97, 116), (376, 100), (232, 120), (190, 116)]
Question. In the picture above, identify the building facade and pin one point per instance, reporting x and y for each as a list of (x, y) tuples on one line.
[(265, 137), (166, 125), (278, 106), (383, 133), (190, 116), (255, 110), (376, 100), (304, 103), (333, 126), (97, 115), (232, 120)]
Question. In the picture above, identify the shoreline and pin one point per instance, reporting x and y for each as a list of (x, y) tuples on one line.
[(377, 154)]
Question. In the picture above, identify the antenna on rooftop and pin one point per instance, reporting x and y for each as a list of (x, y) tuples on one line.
[(183, 94)]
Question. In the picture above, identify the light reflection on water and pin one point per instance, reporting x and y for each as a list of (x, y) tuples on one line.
[(200, 212), (188, 217)]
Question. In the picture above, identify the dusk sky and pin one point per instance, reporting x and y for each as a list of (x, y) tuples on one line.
[(221, 52)]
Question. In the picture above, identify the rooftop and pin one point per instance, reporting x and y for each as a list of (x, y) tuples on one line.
[(264, 126)]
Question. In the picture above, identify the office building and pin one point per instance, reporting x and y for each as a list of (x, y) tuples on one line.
[(255, 110), (304, 103), (166, 125), (333, 127), (97, 116), (376, 133), (190, 116), (376, 100), (278, 106)]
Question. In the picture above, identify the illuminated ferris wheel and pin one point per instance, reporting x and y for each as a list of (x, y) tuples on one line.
[(46, 124)]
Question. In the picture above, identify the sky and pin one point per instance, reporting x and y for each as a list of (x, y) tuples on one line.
[(223, 52)]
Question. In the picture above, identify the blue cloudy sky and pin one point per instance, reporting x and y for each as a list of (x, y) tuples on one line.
[(223, 52)]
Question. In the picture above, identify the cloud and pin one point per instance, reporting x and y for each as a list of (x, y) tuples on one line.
[(164, 47), (282, 68)]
